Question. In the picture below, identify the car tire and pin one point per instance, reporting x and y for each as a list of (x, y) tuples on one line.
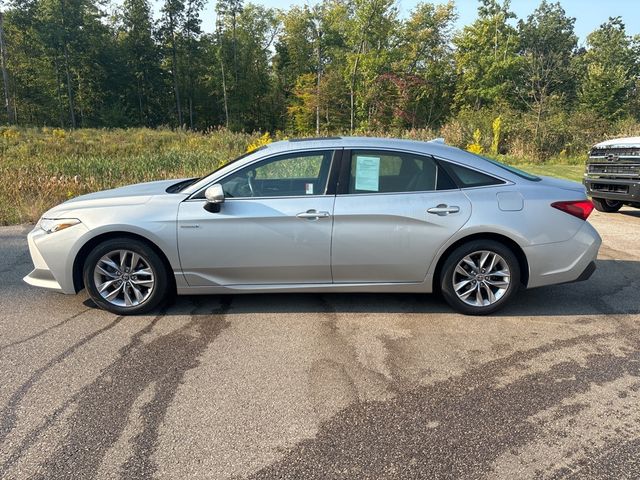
[(607, 206), (496, 274), (126, 285)]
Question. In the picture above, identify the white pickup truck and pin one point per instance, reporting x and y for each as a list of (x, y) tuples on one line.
[(612, 175)]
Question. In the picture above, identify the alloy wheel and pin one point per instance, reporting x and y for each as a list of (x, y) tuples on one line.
[(481, 278), (124, 278)]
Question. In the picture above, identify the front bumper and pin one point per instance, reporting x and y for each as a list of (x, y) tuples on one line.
[(52, 256), (624, 190), (563, 262)]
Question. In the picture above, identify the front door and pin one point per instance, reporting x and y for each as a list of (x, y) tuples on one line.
[(273, 228)]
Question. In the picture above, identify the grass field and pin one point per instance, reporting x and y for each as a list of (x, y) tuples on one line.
[(560, 170), (40, 168)]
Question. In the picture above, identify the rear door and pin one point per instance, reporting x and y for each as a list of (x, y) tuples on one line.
[(393, 212)]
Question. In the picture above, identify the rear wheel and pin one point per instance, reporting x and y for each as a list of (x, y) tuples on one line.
[(608, 206), (125, 276), (480, 277)]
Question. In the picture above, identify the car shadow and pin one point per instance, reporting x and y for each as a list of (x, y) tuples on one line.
[(611, 290), (630, 213)]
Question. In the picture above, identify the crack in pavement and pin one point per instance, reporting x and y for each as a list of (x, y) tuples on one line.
[(44, 331), (103, 407), (453, 428), (8, 415)]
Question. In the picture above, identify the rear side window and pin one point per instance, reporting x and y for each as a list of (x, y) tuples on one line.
[(390, 172), (468, 178)]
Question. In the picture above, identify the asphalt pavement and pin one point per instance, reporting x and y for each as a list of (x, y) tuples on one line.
[(325, 386)]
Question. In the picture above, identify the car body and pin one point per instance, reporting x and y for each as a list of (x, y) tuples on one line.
[(318, 215), (612, 175)]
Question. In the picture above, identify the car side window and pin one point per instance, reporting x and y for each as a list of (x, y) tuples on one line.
[(288, 175), (389, 172), (468, 178)]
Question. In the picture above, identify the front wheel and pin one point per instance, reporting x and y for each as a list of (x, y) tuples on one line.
[(480, 277), (607, 206), (125, 277)]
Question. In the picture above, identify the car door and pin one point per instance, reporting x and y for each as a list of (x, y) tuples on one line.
[(393, 212), (274, 226)]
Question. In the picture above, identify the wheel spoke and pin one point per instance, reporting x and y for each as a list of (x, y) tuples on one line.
[(458, 286), (483, 258), (138, 294), (479, 299), (105, 285), (107, 261), (470, 262), (490, 296), (492, 264), (462, 271), (135, 258), (497, 284), (127, 298), (142, 283), (114, 293), (500, 273), (466, 294), (143, 271), (123, 260), (106, 273)]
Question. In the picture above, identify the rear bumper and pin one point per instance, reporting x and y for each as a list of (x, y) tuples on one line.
[(564, 262), (625, 190)]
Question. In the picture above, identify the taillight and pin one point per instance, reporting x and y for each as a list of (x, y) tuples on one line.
[(578, 208)]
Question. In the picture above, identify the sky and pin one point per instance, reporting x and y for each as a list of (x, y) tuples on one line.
[(589, 14)]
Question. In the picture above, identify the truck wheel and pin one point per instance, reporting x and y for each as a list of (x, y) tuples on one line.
[(608, 206)]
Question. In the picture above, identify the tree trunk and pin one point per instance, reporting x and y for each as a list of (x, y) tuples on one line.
[(72, 113), (59, 92), (353, 86), (224, 81), (140, 109), (5, 75), (67, 70), (174, 69), (318, 88)]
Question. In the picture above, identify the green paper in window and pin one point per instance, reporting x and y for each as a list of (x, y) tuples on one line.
[(367, 173)]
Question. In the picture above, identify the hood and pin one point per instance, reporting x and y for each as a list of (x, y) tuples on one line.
[(619, 143), (116, 197), (563, 184)]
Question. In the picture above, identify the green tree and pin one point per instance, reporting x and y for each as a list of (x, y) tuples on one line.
[(547, 44), (141, 58), (487, 59), (609, 69)]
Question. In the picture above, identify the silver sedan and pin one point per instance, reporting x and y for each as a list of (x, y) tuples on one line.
[(320, 215)]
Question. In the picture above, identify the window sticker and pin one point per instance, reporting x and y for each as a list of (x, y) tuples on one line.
[(367, 173), (308, 188)]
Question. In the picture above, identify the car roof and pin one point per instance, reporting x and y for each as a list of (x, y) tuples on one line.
[(431, 146)]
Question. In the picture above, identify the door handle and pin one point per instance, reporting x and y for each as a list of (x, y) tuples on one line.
[(443, 209), (313, 215)]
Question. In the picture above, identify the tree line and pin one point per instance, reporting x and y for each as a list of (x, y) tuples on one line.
[(337, 66)]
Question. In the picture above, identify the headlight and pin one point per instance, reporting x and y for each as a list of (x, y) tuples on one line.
[(51, 225)]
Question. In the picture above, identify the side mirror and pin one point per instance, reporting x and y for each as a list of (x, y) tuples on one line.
[(215, 198)]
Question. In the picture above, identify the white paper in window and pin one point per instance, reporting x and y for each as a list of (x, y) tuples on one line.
[(367, 173)]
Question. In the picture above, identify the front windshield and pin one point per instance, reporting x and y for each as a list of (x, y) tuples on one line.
[(509, 168)]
